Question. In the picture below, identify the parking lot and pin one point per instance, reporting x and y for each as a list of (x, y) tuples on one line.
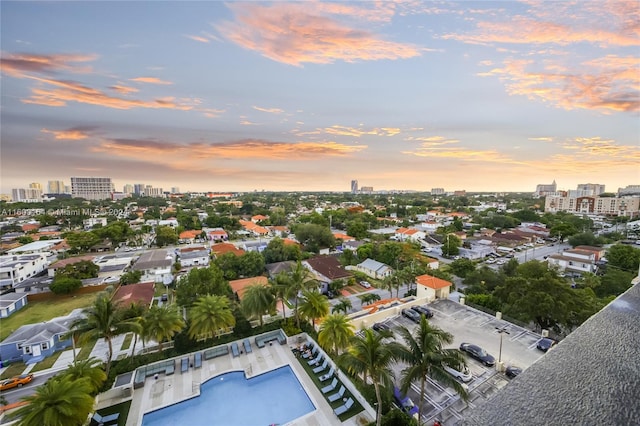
[(471, 326)]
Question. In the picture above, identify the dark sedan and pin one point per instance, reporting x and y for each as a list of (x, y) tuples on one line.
[(422, 310), (412, 315), (545, 344), (379, 326), (478, 353), (512, 371)]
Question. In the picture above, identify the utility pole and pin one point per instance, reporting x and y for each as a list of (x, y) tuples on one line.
[(501, 331)]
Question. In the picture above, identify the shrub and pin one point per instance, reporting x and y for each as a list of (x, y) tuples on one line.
[(65, 285)]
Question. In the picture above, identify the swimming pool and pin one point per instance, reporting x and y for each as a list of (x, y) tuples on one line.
[(275, 397)]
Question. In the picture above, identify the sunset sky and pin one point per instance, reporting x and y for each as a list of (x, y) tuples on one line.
[(243, 96)]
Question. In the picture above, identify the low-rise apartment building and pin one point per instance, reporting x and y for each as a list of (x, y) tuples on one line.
[(16, 269)]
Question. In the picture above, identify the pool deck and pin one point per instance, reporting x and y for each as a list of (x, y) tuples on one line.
[(168, 390)]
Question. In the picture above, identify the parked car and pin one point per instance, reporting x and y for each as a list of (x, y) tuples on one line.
[(478, 353), (512, 371), (379, 326), (423, 310), (412, 315), (17, 381), (545, 344), (365, 284), (404, 402), (464, 375)]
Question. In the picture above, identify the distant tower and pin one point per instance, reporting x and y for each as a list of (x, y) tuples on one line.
[(354, 186)]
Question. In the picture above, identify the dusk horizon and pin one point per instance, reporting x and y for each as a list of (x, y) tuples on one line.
[(307, 96)]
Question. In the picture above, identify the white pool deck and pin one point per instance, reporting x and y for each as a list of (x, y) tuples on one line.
[(168, 390)]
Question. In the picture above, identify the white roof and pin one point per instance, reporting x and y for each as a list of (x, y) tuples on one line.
[(35, 246)]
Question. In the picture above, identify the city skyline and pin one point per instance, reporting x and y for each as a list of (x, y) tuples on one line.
[(208, 96)]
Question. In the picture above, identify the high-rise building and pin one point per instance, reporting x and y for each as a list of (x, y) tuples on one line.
[(56, 187), (27, 195), (590, 189), (437, 191), (128, 189), (544, 189), (629, 190), (354, 186), (366, 190), (91, 188), (35, 185), (175, 190), (138, 189), (614, 206)]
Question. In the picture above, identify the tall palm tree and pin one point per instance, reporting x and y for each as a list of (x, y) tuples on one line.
[(342, 306), (335, 332), (90, 369), (60, 401), (314, 305), (425, 356), (280, 288), (102, 320), (257, 300), (135, 312), (372, 355), (388, 283), (161, 323), (299, 279), (209, 315)]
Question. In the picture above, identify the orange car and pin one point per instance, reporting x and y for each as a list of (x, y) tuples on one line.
[(16, 381)]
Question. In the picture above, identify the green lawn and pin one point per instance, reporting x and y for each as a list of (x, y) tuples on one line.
[(85, 351), (35, 312), (127, 341), (47, 362), (14, 369)]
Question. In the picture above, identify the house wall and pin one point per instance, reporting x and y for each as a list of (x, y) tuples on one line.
[(204, 260), (13, 307), (10, 352), (362, 319)]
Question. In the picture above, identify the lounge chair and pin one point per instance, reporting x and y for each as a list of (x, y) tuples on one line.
[(336, 396), (184, 365), (247, 346), (321, 367), (316, 360), (197, 360), (111, 419), (344, 408), (327, 376), (330, 387), (314, 351), (234, 349)]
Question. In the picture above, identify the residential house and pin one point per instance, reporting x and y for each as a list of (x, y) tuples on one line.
[(194, 256), (172, 222), (409, 234), (51, 270), (279, 231), (217, 234), (42, 246), (258, 218), (599, 252), (15, 269), (432, 288), (222, 248), (240, 286), (326, 269), (278, 267), (430, 226), (11, 302), (93, 221), (189, 237), (33, 342), (155, 266), (253, 229), (141, 293), (343, 237), (374, 269), (574, 260), (258, 246)]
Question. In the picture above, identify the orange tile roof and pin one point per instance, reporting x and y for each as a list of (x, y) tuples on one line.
[(343, 237), (135, 293), (30, 226), (184, 235), (432, 282), (240, 286), (218, 232), (223, 248), (259, 217)]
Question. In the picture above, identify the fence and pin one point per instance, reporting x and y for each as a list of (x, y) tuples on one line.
[(41, 297)]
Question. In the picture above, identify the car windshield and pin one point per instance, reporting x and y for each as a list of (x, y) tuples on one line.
[(480, 351)]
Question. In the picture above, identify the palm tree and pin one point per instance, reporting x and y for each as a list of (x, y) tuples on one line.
[(314, 305), (369, 298), (342, 306), (299, 279), (258, 299), (135, 312), (425, 357), (335, 332), (103, 320), (161, 323), (388, 283), (280, 288), (372, 355), (60, 401), (90, 369), (209, 315)]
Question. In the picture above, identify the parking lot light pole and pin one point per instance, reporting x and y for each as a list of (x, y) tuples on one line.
[(501, 331)]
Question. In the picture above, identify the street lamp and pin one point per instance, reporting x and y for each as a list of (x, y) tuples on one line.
[(501, 331)]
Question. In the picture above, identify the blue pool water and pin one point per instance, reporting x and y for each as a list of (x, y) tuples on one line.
[(276, 397)]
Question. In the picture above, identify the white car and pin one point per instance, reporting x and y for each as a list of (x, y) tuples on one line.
[(464, 376), (365, 284)]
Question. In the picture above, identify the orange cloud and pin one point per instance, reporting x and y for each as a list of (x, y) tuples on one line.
[(73, 134), (298, 33), (19, 65), (606, 84), (125, 90), (358, 132), (270, 110), (197, 38), (242, 149), (150, 80), (430, 141)]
